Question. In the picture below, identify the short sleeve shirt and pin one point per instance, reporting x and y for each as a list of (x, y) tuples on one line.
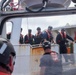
[(52, 67)]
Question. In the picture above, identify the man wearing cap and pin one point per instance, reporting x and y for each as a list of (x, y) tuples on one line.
[(29, 38), (61, 39), (38, 36), (50, 64), (47, 34)]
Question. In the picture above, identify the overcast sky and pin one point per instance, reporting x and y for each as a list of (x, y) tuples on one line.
[(44, 22)]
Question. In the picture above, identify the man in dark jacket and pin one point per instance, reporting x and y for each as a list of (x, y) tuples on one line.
[(38, 36), (61, 39), (29, 38)]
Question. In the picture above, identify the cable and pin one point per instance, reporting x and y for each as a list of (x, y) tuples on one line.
[(2, 3), (44, 5)]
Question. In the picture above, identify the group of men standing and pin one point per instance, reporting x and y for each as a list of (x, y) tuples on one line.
[(39, 37), (46, 35), (50, 62)]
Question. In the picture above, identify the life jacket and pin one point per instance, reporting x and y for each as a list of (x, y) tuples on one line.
[(37, 34), (49, 34), (75, 36), (29, 36), (1, 73), (62, 35)]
